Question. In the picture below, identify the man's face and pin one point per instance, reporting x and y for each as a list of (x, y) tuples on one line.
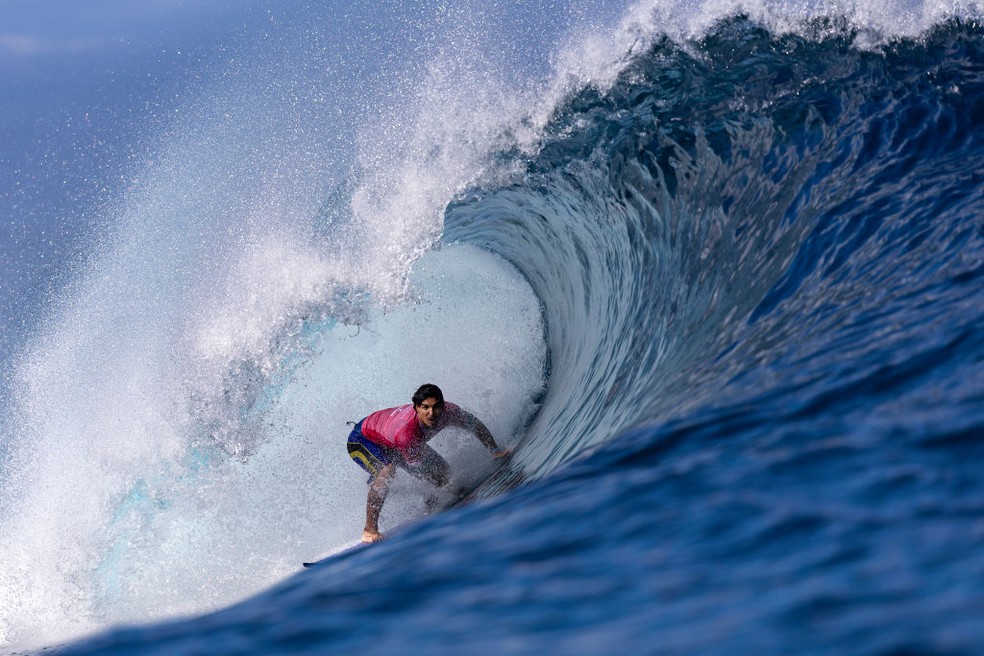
[(429, 411)]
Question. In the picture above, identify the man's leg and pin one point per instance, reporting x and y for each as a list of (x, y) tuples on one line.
[(432, 468), (375, 460), (374, 503), (435, 470)]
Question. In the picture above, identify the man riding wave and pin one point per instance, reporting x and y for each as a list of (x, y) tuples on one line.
[(397, 437)]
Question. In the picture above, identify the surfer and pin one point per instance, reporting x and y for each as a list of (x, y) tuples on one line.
[(397, 437)]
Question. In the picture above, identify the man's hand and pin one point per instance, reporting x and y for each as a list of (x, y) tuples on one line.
[(368, 537)]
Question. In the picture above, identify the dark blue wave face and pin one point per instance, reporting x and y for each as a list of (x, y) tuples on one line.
[(760, 263), (749, 224)]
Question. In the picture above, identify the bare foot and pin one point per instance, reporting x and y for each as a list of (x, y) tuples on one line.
[(368, 537)]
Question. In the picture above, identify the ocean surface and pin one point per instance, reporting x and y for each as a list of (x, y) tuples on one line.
[(716, 274)]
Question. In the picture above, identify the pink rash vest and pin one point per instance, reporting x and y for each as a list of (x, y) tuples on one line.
[(398, 428)]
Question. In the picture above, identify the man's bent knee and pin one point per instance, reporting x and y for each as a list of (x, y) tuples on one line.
[(438, 477), (383, 477)]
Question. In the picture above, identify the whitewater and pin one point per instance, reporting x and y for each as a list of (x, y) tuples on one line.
[(713, 271)]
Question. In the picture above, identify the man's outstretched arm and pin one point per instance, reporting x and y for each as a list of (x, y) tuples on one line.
[(484, 436)]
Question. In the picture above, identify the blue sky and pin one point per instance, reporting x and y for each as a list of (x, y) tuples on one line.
[(74, 76), (64, 26)]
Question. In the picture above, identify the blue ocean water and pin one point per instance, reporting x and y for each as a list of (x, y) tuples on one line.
[(723, 294)]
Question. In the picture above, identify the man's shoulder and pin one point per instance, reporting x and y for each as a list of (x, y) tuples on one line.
[(455, 414), (392, 412), (389, 417)]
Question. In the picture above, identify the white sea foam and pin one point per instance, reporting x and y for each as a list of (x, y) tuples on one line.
[(177, 431)]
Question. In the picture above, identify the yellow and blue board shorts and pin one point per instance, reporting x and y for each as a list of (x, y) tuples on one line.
[(367, 454), (373, 457)]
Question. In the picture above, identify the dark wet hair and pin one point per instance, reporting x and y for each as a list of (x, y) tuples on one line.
[(428, 391)]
